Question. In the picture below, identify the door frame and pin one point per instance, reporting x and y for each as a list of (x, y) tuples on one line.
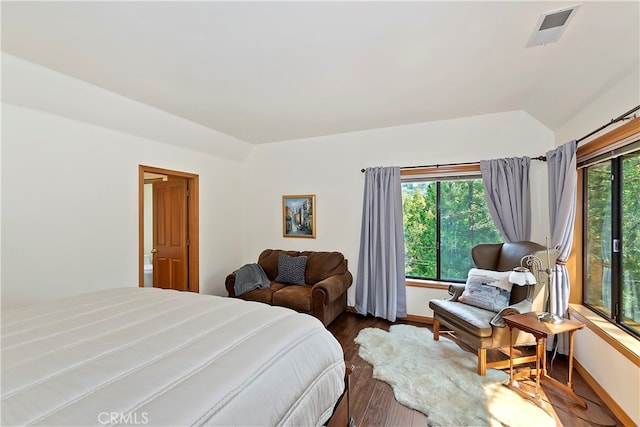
[(193, 233)]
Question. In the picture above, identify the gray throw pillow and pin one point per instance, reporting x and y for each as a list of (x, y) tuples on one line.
[(291, 269), (487, 289)]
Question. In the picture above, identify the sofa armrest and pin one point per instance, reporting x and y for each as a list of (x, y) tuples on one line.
[(333, 286), (523, 306), (229, 283), (455, 290)]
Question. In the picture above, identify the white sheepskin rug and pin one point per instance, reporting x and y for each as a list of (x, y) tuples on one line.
[(440, 380)]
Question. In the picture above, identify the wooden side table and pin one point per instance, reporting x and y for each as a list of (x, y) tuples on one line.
[(528, 322)]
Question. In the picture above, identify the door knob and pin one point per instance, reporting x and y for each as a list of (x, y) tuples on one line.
[(154, 250)]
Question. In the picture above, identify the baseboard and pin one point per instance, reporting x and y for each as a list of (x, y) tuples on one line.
[(419, 319), (410, 317), (602, 393)]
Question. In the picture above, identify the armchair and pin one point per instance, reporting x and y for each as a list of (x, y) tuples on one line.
[(483, 329)]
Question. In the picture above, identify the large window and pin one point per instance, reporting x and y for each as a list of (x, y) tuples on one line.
[(612, 238), (443, 219)]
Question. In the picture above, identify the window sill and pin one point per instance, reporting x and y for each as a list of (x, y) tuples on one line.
[(623, 342), (431, 284)]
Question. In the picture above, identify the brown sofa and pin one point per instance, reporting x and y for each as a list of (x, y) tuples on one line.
[(324, 295)]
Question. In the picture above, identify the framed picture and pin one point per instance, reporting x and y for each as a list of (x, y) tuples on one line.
[(299, 216)]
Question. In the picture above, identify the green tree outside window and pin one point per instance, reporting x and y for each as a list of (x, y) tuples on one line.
[(443, 220)]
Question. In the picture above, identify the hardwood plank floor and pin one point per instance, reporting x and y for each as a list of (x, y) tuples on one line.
[(373, 403)]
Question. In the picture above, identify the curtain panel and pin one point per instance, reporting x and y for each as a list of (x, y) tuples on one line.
[(563, 182), (508, 193), (380, 281)]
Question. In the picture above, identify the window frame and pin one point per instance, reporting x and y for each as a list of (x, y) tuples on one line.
[(437, 174), (611, 145)]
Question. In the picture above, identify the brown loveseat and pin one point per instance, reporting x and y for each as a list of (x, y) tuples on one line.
[(324, 294)]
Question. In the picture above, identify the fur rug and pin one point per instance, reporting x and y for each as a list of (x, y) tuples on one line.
[(440, 379)]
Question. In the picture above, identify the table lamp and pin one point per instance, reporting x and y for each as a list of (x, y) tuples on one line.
[(523, 276)]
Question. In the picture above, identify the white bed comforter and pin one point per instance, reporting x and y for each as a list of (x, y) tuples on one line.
[(147, 356)]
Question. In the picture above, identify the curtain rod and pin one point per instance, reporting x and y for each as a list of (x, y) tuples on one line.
[(622, 116), (541, 158)]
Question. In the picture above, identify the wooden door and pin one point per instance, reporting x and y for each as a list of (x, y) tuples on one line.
[(170, 245)]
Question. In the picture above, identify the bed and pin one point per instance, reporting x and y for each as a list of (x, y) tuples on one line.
[(147, 356)]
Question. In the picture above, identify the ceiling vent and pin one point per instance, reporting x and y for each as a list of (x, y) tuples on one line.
[(551, 25)]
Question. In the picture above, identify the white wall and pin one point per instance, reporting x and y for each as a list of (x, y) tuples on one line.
[(622, 96), (329, 167), (70, 189), (70, 207), (72, 150), (614, 372)]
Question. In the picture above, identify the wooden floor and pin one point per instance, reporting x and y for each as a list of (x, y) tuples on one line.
[(373, 403)]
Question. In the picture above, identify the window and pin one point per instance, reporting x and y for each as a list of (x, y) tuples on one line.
[(444, 217), (611, 227)]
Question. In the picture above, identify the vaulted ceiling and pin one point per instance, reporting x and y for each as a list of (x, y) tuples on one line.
[(270, 71)]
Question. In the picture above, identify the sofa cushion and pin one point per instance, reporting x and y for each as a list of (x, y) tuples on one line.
[(291, 269), (262, 295), (295, 297), (473, 320), (487, 289), (268, 259), (321, 265)]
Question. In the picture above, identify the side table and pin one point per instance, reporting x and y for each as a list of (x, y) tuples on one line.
[(528, 322)]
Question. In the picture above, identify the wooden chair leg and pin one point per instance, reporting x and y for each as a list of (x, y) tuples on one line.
[(436, 330), (482, 361)]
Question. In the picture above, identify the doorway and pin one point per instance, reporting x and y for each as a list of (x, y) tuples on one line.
[(168, 229)]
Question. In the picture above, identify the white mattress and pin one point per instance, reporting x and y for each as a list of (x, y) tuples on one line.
[(148, 356)]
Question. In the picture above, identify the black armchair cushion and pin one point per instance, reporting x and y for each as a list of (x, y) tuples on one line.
[(473, 320)]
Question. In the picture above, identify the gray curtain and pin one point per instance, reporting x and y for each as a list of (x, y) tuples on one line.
[(380, 282), (563, 181), (508, 194)]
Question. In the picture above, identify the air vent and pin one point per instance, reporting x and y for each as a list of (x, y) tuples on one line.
[(551, 25)]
